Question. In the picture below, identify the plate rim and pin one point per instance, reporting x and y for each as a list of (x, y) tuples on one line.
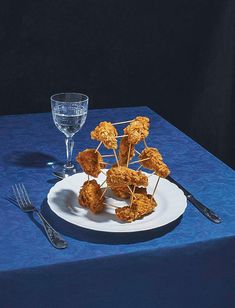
[(144, 229)]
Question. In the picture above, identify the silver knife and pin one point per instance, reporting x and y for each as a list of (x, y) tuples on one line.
[(202, 208)]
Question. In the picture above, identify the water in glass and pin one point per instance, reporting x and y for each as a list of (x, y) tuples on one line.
[(71, 122)]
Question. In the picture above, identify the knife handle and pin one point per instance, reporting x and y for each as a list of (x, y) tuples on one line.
[(204, 210)]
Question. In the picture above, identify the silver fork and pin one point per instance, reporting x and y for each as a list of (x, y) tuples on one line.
[(26, 206)]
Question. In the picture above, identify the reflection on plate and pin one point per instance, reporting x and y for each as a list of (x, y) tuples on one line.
[(62, 199)]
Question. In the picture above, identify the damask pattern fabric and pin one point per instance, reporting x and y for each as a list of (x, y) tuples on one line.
[(187, 264)]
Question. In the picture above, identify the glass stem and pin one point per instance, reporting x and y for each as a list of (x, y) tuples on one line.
[(69, 151)]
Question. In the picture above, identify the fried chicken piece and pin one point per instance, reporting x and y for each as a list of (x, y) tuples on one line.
[(91, 162), (137, 130), (162, 170), (154, 162), (90, 196), (121, 175), (142, 205), (126, 213), (123, 192), (144, 120), (106, 133), (153, 155), (124, 151)]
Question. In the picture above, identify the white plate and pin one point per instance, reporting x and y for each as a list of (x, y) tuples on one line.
[(62, 199)]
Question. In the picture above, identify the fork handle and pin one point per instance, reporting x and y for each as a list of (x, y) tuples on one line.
[(53, 236)]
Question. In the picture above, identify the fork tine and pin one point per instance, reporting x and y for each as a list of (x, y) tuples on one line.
[(25, 192), (19, 190), (22, 194), (17, 195)]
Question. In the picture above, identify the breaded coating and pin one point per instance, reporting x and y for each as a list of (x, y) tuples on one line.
[(137, 130), (144, 120), (124, 150), (123, 191), (153, 155), (121, 175), (106, 133), (162, 170), (154, 162), (91, 162), (142, 205), (126, 213), (90, 196)]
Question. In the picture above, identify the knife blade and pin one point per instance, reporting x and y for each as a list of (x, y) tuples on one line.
[(201, 207)]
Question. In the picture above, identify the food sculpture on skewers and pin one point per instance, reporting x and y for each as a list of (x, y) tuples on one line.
[(124, 182)]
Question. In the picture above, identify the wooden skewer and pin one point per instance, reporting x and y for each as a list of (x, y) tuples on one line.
[(155, 187), (121, 136), (103, 172), (103, 162), (130, 190), (138, 161), (117, 123), (145, 143), (108, 155), (98, 146), (104, 192), (103, 183), (133, 194), (151, 174), (115, 154), (139, 168), (137, 152), (128, 157)]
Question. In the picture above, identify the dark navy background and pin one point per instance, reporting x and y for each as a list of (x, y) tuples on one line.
[(177, 57)]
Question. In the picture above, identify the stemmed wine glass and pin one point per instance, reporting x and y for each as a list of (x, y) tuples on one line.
[(69, 111)]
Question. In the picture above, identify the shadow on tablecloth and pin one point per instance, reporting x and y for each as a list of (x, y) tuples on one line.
[(87, 235), (29, 159)]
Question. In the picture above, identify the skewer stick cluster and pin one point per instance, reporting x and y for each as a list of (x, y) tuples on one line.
[(124, 182)]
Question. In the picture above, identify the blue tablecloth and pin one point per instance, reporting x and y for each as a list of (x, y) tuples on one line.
[(192, 264)]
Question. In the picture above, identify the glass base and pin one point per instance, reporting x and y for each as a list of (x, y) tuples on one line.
[(61, 171)]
